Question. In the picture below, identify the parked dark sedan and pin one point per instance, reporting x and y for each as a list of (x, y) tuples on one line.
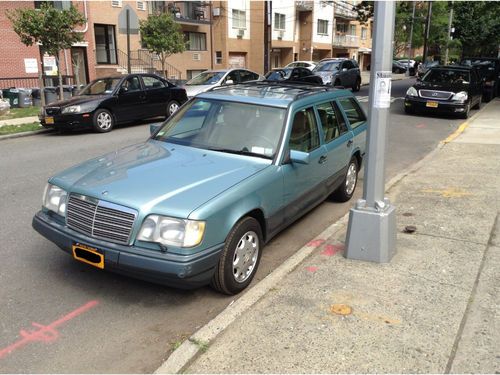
[(297, 74), (446, 89), (488, 69), (105, 102)]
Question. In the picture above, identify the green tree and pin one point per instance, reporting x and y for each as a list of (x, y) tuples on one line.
[(52, 29), (162, 35)]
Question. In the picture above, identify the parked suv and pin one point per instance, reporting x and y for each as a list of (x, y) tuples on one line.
[(488, 69), (339, 72), (196, 203)]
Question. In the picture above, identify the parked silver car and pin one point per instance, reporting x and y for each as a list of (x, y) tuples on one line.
[(213, 78)]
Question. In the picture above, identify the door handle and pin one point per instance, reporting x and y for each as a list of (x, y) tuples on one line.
[(322, 159), (349, 143)]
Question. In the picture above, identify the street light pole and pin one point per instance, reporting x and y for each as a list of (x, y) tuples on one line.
[(371, 232), (410, 41)]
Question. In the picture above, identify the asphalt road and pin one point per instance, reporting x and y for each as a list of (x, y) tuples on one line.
[(62, 316)]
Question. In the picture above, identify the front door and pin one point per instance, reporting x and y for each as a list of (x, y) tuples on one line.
[(80, 66), (131, 100)]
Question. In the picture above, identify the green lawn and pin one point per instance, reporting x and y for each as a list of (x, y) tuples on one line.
[(21, 112), (11, 129)]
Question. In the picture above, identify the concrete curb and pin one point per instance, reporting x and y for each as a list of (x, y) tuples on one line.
[(19, 121), (195, 345), (24, 134)]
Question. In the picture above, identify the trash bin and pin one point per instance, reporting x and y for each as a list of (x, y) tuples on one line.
[(36, 97), (4, 107), (25, 98), (12, 95), (50, 94), (67, 91)]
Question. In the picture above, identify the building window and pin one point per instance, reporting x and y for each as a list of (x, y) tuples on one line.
[(364, 32), (61, 5), (116, 3), (141, 5), (193, 73), (342, 28), (157, 7), (196, 41), (105, 44), (323, 27), (279, 21), (353, 29), (239, 19), (218, 57)]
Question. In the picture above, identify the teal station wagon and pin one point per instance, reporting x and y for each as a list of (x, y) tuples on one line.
[(195, 204)]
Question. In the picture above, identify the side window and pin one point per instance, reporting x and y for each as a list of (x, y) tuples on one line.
[(332, 121), (304, 136), (152, 82), (132, 84), (245, 76), (304, 72), (232, 76), (353, 112), (348, 65), (295, 73)]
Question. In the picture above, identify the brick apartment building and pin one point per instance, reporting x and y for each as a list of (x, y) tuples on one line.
[(221, 34)]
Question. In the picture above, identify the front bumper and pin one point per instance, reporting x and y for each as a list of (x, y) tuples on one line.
[(182, 271), (443, 107), (68, 121)]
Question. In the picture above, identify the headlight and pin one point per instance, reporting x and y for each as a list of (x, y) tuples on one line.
[(460, 96), (171, 231), (412, 91), (72, 109), (54, 199)]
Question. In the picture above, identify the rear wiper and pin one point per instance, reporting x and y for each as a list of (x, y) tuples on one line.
[(243, 151)]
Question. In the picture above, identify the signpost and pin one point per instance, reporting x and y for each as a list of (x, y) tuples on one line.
[(371, 233)]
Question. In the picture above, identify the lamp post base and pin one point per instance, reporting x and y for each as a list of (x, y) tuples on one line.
[(371, 233)]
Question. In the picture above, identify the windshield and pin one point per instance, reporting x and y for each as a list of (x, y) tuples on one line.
[(278, 75), (101, 86), (446, 76), (224, 126), (327, 66), (206, 78)]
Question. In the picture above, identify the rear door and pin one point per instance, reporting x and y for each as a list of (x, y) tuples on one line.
[(157, 96), (356, 119)]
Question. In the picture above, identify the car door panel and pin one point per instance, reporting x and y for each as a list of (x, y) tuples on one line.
[(157, 96), (131, 100)]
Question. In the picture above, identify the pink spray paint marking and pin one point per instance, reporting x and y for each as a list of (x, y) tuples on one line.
[(316, 243), (421, 126), (311, 269), (331, 250), (45, 334)]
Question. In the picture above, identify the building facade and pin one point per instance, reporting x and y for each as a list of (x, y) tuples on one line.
[(219, 35)]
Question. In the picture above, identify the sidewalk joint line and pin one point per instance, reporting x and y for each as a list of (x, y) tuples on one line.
[(451, 238)]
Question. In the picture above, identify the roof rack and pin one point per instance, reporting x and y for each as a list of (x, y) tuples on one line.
[(305, 89)]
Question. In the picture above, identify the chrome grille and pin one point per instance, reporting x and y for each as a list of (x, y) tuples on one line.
[(433, 94), (52, 110), (100, 219)]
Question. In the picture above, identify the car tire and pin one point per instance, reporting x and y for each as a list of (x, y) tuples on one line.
[(240, 257), (479, 102), (337, 83), (103, 121), (172, 107), (345, 191), (409, 111), (357, 85), (488, 97)]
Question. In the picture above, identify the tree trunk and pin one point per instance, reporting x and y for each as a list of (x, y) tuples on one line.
[(163, 65)]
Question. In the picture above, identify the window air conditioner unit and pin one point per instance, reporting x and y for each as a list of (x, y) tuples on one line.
[(281, 34), (241, 32), (216, 12)]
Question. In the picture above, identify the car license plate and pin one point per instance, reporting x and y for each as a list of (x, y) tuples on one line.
[(432, 104), (89, 255), (49, 120)]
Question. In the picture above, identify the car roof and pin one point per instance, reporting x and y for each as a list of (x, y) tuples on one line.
[(271, 93), (452, 67)]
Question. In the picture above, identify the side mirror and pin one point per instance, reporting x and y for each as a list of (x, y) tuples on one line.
[(153, 128), (123, 90), (299, 157), (344, 69), (229, 82)]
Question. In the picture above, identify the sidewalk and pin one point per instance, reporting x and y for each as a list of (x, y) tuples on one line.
[(434, 308), (19, 121)]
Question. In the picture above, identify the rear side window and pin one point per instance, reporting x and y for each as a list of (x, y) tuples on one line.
[(248, 76), (152, 82), (332, 121), (353, 112)]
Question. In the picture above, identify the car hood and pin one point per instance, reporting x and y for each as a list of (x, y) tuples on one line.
[(324, 73), (196, 89), (454, 87), (79, 99), (159, 177)]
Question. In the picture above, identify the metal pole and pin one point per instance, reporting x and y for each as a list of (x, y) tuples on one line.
[(427, 29), (449, 34), (129, 69), (371, 233), (411, 39)]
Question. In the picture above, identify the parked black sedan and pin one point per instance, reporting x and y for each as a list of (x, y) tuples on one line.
[(105, 102), (447, 90), (297, 74), (488, 69)]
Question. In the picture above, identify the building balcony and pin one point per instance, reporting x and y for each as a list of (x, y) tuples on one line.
[(304, 6), (343, 9), (189, 12), (347, 41)]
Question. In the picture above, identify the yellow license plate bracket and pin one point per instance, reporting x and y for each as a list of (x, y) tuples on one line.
[(49, 120), (89, 255), (432, 104)]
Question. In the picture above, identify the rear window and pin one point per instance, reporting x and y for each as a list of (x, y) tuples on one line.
[(353, 112)]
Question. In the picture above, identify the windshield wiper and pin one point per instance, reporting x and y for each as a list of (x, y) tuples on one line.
[(243, 151)]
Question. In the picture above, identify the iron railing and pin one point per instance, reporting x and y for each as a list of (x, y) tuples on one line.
[(346, 41)]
